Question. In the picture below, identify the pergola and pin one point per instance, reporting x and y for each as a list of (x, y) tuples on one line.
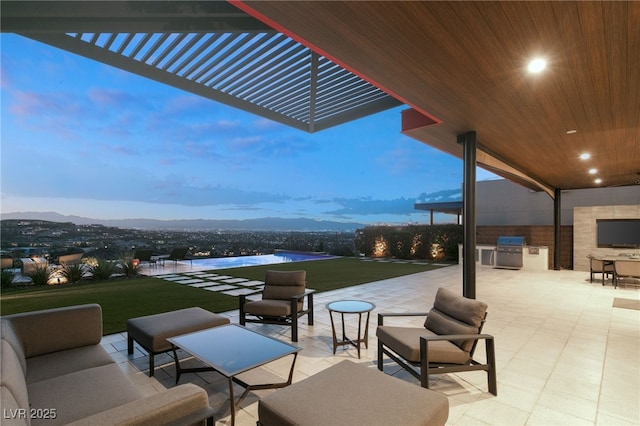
[(459, 66)]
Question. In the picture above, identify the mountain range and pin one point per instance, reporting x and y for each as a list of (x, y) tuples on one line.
[(262, 224)]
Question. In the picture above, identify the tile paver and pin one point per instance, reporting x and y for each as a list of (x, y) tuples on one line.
[(554, 332)]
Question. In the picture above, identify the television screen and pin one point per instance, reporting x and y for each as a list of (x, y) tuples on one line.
[(620, 233)]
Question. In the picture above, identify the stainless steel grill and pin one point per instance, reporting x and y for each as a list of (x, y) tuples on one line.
[(509, 252)]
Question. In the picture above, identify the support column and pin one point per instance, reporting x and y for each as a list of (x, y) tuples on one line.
[(468, 140), (557, 223)]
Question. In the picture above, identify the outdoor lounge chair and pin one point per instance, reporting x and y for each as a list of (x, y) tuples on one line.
[(7, 261), (282, 301), (445, 344), (179, 253), (70, 259), (144, 256), (598, 266)]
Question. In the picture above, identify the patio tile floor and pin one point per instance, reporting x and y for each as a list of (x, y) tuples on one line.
[(565, 355)]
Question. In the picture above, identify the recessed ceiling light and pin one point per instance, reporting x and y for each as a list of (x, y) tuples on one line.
[(572, 131), (537, 65), (593, 171), (598, 181), (585, 156)]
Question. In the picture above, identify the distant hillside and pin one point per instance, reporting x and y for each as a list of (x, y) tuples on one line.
[(263, 224)]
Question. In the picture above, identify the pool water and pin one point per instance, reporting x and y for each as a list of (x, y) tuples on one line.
[(267, 259)]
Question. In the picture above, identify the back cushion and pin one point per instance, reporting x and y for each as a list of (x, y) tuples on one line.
[(469, 311), (453, 314), (8, 333), (283, 285)]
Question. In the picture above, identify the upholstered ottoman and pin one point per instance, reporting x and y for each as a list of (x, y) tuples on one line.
[(352, 394), (152, 331)]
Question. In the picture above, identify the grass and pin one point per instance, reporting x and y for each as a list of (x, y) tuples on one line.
[(332, 274), (130, 298), (120, 299)]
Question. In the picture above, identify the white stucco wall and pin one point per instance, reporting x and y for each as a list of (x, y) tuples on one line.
[(502, 202)]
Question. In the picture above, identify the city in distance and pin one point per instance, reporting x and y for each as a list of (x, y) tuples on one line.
[(27, 236), (262, 224)]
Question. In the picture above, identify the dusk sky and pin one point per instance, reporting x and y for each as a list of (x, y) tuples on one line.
[(83, 138)]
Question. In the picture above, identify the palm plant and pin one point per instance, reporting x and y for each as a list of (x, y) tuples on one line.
[(73, 272), (6, 278), (101, 269), (41, 274)]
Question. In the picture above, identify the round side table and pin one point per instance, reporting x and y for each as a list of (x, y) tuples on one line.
[(351, 307)]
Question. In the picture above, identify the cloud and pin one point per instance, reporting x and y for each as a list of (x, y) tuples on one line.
[(368, 206), (110, 98)]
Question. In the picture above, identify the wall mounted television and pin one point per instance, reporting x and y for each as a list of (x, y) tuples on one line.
[(618, 233)]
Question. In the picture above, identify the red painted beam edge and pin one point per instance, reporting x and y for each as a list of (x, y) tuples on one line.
[(248, 9), (413, 119)]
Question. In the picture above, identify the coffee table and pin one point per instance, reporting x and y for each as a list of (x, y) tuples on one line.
[(230, 350), (351, 307)]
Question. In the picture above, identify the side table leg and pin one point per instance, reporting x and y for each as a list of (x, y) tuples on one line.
[(366, 332), (333, 331), (359, 333)]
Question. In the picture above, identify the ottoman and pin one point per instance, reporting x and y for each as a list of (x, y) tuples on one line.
[(151, 331), (352, 394)]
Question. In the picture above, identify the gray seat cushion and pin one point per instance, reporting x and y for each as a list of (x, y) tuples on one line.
[(405, 341), (352, 394), (152, 331), (269, 307), (82, 394)]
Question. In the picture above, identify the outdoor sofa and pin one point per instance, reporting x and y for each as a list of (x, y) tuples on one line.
[(54, 371)]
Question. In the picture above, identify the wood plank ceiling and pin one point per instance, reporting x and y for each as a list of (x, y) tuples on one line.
[(463, 64)]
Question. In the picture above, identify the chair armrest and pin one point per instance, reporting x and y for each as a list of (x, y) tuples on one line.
[(457, 337), (306, 293), (182, 405), (382, 315)]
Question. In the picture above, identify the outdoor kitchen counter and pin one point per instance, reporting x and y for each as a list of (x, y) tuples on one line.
[(535, 258)]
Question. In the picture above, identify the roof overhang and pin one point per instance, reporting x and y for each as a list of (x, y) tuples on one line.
[(448, 207), (462, 64)]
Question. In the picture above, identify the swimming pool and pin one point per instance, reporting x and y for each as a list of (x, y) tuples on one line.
[(266, 259)]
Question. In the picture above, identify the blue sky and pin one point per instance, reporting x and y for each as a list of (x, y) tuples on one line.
[(82, 138)]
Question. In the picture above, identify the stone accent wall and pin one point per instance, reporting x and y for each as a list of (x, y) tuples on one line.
[(535, 235), (585, 231)]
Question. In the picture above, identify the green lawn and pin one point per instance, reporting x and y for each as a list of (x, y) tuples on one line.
[(123, 299)]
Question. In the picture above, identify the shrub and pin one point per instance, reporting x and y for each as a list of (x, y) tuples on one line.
[(73, 272), (101, 269), (428, 242), (41, 274), (6, 278)]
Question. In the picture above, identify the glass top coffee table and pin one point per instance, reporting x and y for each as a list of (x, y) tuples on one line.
[(351, 307), (230, 350)]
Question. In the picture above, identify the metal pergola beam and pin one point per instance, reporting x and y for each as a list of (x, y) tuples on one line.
[(208, 48), (125, 16)]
